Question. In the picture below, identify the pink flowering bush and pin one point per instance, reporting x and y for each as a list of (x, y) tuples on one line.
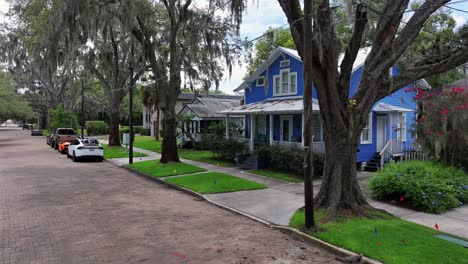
[(442, 126)]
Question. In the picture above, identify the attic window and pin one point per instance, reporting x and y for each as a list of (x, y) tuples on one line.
[(261, 81), (284, 63)]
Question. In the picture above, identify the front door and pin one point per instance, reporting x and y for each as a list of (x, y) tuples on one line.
[(286, 128), (381, 132)]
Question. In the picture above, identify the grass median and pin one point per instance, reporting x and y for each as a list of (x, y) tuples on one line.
[(157, 169), (385, 238), (112, 152), (215, 182), (280, 175)]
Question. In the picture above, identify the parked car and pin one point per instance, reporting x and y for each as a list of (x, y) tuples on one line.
[(50, 140), (87, 148), (36, 132), (62, 135), (63, 147)]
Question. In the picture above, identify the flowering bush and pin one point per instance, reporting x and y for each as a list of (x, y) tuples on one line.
[(442, 125), (428, 186)]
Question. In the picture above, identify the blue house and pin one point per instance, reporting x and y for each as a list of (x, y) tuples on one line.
[(273, 109)]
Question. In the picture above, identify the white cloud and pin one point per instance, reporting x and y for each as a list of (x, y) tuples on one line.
[(459, 19), (258, 17)]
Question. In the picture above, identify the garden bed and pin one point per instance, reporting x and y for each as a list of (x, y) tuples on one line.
[(214, 182), (384, 238), (422, 185)]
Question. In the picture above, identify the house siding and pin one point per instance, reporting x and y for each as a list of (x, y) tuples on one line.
[(366, 151)]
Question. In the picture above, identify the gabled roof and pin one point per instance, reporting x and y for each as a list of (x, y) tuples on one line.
[(360, 59), (208, 107)]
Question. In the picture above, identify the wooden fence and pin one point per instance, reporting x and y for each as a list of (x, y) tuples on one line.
[(414, 154)]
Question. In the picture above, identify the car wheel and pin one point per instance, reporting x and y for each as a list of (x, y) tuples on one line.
[(56, 146), (75, 159), (68, 155), (99, 159)]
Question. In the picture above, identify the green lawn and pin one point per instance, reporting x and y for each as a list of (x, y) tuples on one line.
[(157, 169), (203, 156), (148, 143), (215, 182), (285, 176), (118, 152), (396, 240)]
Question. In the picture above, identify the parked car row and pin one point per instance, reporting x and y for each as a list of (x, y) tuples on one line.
[(66, 141)]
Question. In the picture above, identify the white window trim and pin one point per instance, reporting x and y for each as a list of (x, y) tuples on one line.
[(402, 119), (274, 85), (287, 63), (281, 83), (261, 78), (369, 120)]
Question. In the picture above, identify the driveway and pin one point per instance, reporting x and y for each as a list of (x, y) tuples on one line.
[(55, 211)]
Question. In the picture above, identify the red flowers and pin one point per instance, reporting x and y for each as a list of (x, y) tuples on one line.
[(445, 111), (440, 133)]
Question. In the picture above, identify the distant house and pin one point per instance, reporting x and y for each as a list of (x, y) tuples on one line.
[(273, 109), (150, 114), (205, 110)]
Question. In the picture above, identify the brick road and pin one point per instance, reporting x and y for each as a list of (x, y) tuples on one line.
[(55, 211)]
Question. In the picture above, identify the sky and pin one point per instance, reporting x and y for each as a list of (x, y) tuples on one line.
[(262, 14)]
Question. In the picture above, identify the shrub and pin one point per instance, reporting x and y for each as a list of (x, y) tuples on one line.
[(145, 131), (96, 128), (428, 186), (227, 149), (288, 158)]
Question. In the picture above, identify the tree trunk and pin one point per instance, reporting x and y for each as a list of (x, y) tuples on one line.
[(114, 135), (158, 121), (340, 191), (169, 144)]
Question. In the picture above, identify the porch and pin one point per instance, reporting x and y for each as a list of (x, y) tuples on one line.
[(278, 121)]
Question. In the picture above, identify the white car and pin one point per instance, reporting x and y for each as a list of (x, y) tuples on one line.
[(87, 148)]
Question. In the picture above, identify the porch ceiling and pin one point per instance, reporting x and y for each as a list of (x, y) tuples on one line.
[(276, 106), (387, 108)]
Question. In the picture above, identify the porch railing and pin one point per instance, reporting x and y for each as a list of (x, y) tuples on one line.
[(386, 153)]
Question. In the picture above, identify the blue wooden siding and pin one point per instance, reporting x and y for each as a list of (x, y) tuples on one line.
[(400, 98)]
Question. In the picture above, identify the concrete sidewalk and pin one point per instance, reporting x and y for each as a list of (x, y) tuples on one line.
[(281, 199)]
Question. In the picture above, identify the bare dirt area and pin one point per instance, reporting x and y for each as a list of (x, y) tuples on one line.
[(53, 210)]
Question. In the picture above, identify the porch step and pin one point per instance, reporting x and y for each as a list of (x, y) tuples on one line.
[(374, 164)]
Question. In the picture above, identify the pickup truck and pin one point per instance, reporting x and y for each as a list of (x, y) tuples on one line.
[(62, 135)]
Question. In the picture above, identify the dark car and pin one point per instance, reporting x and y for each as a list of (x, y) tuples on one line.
[(36, 132), (63, 135)]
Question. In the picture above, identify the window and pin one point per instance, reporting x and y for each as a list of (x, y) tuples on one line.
[(401, 127), (366, 134), (277, 84), (284, 63), (285, 83), (293, 83), (261, 81), (317, 128)]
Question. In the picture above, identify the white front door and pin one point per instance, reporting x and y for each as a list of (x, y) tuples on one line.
[(286, 128), (381, 132)]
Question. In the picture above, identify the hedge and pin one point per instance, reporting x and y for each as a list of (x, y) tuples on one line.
[(96, 128), (288, 158), (424, 185)]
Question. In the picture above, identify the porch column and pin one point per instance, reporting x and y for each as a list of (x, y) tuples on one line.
[(271, 129), (227, 126), (252, 132), (302, 130)]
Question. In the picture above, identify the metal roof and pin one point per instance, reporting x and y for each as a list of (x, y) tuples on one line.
[(208, 107), (387, 108), (272, 106)]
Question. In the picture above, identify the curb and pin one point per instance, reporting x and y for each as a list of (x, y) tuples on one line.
[(292, 231)]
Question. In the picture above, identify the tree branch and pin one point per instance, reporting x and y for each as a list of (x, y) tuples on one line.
[(292, 10)]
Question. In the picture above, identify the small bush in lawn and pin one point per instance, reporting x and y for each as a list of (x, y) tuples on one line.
[(96, 128), (145, 131), (429, 186), (288, 158)]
